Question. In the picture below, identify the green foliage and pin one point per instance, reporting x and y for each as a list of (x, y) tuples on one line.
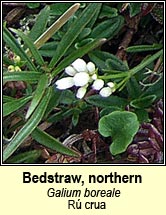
[(121, 126), (62, 33)]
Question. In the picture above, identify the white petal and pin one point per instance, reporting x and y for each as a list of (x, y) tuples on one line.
[(70, 71), (105, 92), (64, 83), (91, 67), (81, 92), (79, 65), (98, 84), (81, 79)]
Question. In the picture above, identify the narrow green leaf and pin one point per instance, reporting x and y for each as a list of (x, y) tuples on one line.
[(77, 54), (25, 157), (38, 94), (30, 125), (17, 49), (108, 29), (35, 53), (40, 24), (21, 76), (143, 48), (56, 26), (12, 106), (112, 101), (121, 126), (52, 143), (8, 99), (75, 29)]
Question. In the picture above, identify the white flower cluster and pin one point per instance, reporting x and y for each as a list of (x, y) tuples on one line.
[(82, 75)]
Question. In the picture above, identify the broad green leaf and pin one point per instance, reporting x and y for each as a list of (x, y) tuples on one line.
[(21, 76), (12, 106), (108, 29), (30, 125), (56, 26), (38, 94), (76, 54), (122, 127), (52, 143), (40, 24), (25, 157), (35, 53), (75, 29), (143, 102), (112, 101), (17, 49), (143, 48)]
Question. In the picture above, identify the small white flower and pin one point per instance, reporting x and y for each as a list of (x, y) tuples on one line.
[(105, 91), (98, 84), (79, 65), (81, 79), (81, 92), (70, 71), (65, 83), (91, 68)]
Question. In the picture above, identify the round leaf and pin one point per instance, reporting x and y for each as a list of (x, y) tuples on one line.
[(121, 126)]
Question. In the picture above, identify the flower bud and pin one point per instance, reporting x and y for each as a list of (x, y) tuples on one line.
[(70, 71), (91, 68), (64, 83), (105, 91), (11, 68), (79, 65), (17, 69), (98, 84), (81, 92), (16, 59), (81, 79)]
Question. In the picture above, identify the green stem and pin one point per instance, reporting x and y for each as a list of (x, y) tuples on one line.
[(120, 75), (145, 63)]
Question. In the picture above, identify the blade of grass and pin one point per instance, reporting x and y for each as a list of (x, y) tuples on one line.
[(30, 125), (12, 106), (52, 143), (38, 94), (75, 29)]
